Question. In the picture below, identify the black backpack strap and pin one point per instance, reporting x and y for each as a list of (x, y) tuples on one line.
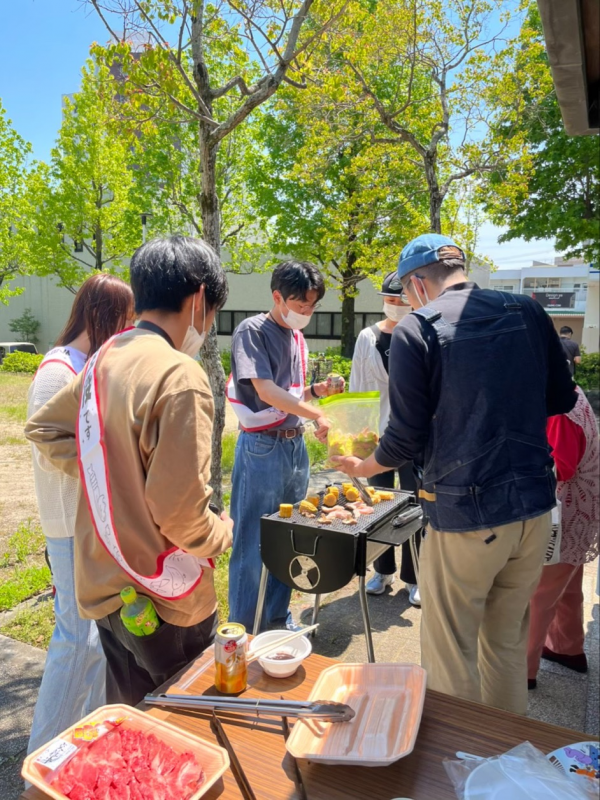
[(428, 314), (511, 303), (379, 346)]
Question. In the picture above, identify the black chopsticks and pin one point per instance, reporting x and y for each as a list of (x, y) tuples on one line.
[(299, 781), (236, 767)]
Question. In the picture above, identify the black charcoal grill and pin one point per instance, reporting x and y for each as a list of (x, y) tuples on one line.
[(317, 558)]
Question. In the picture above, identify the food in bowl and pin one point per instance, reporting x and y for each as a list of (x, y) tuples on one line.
[(282, 661)]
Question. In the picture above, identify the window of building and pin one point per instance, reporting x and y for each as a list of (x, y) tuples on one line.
[(77, 246), (225, 323), (323, 324)]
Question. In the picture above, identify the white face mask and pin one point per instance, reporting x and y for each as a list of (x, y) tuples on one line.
[(395, 313), (294, 319), (425, 292), (193, 340)]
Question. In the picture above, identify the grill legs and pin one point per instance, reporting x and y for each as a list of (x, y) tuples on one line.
[(315, 614), (260, 603), (364, 607)]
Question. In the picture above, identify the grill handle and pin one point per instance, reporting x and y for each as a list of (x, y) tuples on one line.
[(314, 540)]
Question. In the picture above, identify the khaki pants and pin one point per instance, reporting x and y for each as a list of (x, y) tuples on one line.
[(475, 610)]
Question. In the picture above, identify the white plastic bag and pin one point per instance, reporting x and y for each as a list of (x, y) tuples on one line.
[(553, 551), (523, 773)]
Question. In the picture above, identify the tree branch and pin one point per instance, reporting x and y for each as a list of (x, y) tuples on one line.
[(227, 87)]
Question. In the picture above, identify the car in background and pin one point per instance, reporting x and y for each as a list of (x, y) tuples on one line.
[(14, 347)]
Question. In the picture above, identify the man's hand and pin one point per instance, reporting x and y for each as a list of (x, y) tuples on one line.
[(329, 387), (322, 426), (351, 465), (228, 521)]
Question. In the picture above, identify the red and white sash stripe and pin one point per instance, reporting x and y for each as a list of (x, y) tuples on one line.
[(61, 355), (177, 572), (252, 421)]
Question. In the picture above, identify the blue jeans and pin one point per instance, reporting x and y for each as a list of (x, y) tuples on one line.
[(266, 473), (73, 681)]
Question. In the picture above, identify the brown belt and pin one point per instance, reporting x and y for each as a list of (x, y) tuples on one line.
[(286, 433)]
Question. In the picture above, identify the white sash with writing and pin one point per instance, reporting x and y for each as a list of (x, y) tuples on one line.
[(62, 355), (252, 421), (177, 572)]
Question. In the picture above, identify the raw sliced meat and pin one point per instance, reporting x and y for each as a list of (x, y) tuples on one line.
[(126, 764)]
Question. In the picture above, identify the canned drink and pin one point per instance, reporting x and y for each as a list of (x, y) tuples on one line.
[(231, 666), (334, 382)]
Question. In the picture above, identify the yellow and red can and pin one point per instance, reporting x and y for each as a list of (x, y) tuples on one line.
[(231, 665)]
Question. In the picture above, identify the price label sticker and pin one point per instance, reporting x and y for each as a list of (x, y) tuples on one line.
[(54, 755)]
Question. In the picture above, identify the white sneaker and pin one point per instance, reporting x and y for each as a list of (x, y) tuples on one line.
[(414, 596), (378, 583)]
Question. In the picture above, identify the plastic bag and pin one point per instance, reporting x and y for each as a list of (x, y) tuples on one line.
[(553, 551), (523, 772), (55, 757), (354, 418)]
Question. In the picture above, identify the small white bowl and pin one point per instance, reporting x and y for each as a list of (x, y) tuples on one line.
[(299, 648)]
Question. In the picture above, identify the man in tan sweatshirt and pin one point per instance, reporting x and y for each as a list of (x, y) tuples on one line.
[(156, 411)]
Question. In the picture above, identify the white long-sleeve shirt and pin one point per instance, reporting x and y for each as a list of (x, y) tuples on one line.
[(56, 492), (368, 374)]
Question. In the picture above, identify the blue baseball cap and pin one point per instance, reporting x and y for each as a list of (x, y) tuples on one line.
[(424, 250)]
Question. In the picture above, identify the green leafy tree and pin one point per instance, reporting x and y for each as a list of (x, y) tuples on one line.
[(26, 326), (88, 210), (425, 77), (553, 190), (14, 156), (215, 64), (334, 198)]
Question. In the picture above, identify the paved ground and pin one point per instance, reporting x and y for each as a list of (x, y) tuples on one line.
[(562, 696)]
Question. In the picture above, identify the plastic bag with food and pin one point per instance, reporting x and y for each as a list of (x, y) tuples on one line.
[(354, 418)]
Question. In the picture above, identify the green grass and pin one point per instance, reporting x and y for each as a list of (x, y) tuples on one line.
[(20, 584), (228, 457), (13, 389), (13, 440), (14, 413), (222, 584), (27, 540), (33, 626)]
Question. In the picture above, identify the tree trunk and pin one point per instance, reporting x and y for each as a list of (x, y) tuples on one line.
[(436, 196), (348, 337), (98, 243), (211, 232)]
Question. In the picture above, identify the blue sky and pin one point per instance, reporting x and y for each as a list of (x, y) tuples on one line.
[(44, 43)]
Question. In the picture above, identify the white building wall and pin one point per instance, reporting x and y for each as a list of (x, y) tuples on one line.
[(49, 304)]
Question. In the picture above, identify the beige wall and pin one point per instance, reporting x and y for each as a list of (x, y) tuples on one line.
[(576, 323), (591, 322)]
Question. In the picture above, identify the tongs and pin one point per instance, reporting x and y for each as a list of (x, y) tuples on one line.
[(299, 709), (364, 495)]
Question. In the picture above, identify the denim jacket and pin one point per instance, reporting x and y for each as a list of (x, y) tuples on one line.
[(484, 460)]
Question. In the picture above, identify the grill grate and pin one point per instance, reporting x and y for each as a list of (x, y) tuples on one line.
[(380, 510)]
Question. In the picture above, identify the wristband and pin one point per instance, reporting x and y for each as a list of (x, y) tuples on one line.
[(312, 391)]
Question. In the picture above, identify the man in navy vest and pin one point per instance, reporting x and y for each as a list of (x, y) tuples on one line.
[(473, 375)]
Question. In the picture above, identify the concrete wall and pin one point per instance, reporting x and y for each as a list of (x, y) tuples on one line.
[(50, 305)]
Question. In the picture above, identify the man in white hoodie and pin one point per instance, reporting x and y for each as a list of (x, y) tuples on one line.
[(370, 368)]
